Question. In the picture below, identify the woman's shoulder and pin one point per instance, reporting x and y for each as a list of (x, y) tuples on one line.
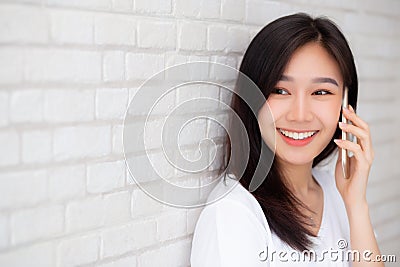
[(228, 229), (229, 196), (229, 199)]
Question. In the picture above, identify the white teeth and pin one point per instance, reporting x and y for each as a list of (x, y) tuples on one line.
[(297, 136)]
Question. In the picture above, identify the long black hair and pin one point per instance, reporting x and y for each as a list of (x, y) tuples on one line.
[(264, 63)]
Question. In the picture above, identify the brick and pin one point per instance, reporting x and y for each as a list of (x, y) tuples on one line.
[(389, 135), (143, 66), (26, 24), (26, 106), (389, 8), (117, 207), (113, 66), (133, 135), (376, 69), (67, 182), (22, 188), (153, 6), (188, 8), (3, 108), (39, 254), (370, 113), (153, 133), (78, 251), (11, 65), (32, 224), (157, 167), (122, 262), (176, 219), (217, 38), (72, 27), (29, 1), (389, 186), (205, 9), (156, 34), (69, 105), (159, 102), (197, 94), (193, 215), (122, 5), (368, 92), (192, 36), (4, 231), (115, 30), (85, 214), (262, 12), (128, 238), (10, 148), (376, 47), (172, 59), (163, 165), (117, 144), (36, 146), (176, 254), (210, 9), (105, 176), (111, 103), (368, 24), (233, 10), (238, 40), (143, 204), (217, 130), (88, 4), (82, 141), (62, 65)]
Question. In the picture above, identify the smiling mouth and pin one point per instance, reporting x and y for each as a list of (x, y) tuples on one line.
[(297, 135)]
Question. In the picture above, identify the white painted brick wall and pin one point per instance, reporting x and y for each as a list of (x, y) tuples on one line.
[(113, 66), (81, 141), (26, 106), (67, 182), (192, 36), (114, 30), (31, 224), (69, 105), (105, 176), (78, 251), (72, 27), (68, 69)]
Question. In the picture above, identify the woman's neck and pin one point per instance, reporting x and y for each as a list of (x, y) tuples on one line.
[(299, 177)]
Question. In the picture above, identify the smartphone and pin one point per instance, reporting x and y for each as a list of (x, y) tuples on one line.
[(345, 136)]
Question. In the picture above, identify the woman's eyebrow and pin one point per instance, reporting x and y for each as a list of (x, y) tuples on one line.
[(286, 78), (325, 80)]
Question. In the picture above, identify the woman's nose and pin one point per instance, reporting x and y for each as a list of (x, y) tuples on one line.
[(300, 110)]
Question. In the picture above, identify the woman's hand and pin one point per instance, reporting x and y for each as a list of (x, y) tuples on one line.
[(353, 190)]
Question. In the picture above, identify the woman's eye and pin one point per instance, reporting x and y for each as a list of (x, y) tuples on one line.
[(280, 91), (322, 92)]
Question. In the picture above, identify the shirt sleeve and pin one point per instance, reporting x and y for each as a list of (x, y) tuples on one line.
[(228, 234)]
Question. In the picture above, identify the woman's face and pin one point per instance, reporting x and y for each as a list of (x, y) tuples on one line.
[(305, 105)]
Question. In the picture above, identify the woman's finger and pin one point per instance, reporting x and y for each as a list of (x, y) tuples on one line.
[(354, 118), (363, 137), (353, 147)]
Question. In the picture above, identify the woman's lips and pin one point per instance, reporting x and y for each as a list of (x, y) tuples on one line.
[(298, 134)]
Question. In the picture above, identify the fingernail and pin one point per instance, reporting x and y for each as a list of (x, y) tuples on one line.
[(346, 110), (337, 141), (351, 108), (342, 125)]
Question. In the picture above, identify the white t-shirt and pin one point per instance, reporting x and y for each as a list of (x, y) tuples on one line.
[(233, 231)]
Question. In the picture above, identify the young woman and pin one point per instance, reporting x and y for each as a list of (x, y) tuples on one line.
[(299, 215)]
